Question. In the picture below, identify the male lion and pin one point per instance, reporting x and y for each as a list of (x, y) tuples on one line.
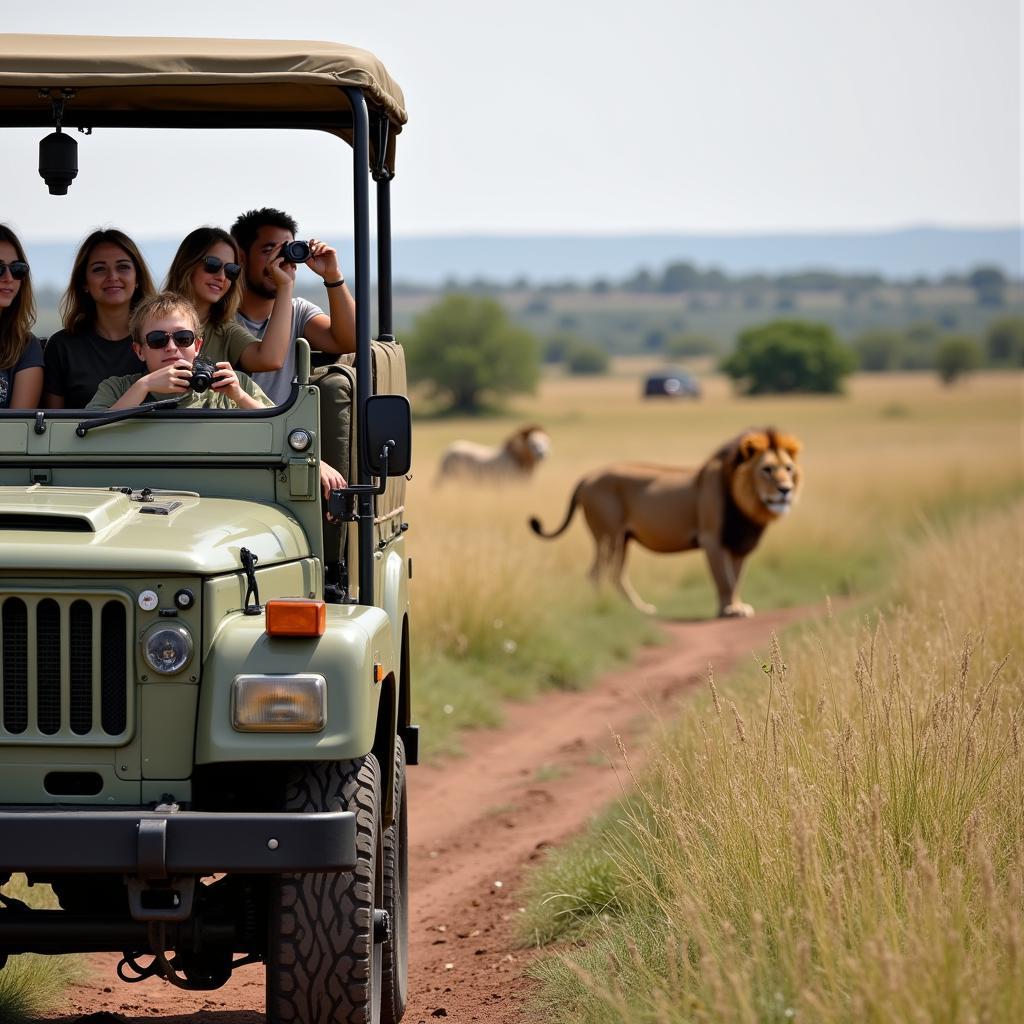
[(723, 507)]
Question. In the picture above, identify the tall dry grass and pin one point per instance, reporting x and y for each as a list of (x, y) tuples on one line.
[(499, 612), (836, 837)]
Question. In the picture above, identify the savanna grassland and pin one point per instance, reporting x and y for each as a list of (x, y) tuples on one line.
[(500, 612), (835, 833)]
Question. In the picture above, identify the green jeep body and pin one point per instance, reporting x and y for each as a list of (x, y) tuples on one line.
[(169, 829)]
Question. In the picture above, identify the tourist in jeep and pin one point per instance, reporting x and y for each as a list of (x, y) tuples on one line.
[(21, 355), (260, 235), (206, 271), (109, 278), (165, 333)]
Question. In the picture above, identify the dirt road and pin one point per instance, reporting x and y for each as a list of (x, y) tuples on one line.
[(476, 824)]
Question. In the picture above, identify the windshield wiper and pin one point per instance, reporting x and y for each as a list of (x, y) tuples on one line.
[(85, 426)]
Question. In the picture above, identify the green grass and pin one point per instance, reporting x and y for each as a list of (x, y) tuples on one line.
[(500, 661)]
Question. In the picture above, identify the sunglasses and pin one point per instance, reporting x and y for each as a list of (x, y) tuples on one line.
[(159, 339), (18, 269), (213, 265)]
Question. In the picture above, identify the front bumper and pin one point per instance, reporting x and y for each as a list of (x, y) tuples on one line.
[(158, 844)]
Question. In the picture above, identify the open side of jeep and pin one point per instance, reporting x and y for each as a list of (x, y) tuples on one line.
[(205, 711)]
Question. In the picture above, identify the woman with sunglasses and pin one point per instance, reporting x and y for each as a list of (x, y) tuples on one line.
[(21, 354), (206, 270), (109, 278)]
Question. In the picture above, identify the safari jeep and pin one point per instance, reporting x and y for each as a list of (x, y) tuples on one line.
[(204, 691)]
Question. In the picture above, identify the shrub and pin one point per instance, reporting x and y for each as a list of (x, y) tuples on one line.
[(789, 356), (587, 359), (557, 346), (879, 351), (1004, 341), (956, 357)]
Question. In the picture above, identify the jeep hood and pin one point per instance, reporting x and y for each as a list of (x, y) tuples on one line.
[(92, 529)]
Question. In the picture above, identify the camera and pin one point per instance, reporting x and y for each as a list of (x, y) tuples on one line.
[(202, 375), (295, 251), (58, 162)]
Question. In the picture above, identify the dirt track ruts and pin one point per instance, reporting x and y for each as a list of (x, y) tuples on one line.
[(476, 823)]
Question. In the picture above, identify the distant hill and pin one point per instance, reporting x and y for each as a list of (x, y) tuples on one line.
[(903, 254)]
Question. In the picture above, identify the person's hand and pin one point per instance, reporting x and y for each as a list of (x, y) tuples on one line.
[(330, 480), (172, 379), (282, 273), (226, 382), (323, 260)]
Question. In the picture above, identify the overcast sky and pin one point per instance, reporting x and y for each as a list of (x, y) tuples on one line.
[(596, 116)]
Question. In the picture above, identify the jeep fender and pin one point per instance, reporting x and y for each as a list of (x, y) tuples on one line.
[(357, 638)]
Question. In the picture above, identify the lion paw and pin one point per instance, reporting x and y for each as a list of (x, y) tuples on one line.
[(737, 610)]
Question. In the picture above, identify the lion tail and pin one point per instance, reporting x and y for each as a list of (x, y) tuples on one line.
[(538, 529)]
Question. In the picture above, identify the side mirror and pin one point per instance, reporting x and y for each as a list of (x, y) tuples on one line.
[(388, 422)]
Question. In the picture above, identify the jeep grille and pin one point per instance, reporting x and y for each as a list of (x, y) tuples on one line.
[(65, 667)]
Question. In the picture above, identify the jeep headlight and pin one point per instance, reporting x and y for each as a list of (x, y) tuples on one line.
[(295, 703), (167, 649)]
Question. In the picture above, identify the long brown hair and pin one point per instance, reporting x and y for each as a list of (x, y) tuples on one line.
[(193, 248), (17, 319), (77, 306)]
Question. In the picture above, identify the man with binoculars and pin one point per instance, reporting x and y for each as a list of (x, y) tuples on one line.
[(266, 238)]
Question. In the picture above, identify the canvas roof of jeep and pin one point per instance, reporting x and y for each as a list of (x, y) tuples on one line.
[(132, 80)]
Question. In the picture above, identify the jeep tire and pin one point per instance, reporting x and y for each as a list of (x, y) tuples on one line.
[(323, 958), (395, 961)]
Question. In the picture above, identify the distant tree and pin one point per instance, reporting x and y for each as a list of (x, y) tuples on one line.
[(789, 356), (679, 277), (641, 281), (956, 357), (921, 341), (558, 345), (601, 286), (469, 350), (1004, 341), (586, 359), (880, 350), (989, 284), (688, 346)]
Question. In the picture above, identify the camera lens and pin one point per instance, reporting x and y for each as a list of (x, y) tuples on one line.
[(295, 251), (202, 376)]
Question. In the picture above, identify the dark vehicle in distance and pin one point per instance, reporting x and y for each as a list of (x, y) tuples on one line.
[(671, 384)]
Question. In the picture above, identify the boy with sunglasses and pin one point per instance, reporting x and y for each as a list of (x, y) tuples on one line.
[(165, 333), (165, 336)]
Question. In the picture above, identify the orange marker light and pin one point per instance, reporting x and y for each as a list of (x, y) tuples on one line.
[(295, 616)]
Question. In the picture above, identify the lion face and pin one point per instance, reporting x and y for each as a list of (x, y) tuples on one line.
[(766, 482)]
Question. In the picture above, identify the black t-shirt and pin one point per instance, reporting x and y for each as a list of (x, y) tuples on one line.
[(30, 358), (76, 363)]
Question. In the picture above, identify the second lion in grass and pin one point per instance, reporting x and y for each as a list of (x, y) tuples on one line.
[(723, 507)]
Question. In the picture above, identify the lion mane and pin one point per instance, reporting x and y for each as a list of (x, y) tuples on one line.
[(723, 507)]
